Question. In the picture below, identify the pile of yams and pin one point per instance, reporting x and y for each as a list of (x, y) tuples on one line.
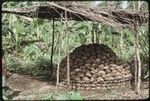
[(94, 66)]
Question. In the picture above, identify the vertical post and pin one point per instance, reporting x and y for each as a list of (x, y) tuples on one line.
[(68, 69), (67, 49), (137, 58), (135, 64), (139, 63), (93, 32), (57, 77), (121, 43), (52, 51), (97, 33), (137, 54), (57, 82)]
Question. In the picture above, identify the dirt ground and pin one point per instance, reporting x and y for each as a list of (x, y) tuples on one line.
[(34, 88)]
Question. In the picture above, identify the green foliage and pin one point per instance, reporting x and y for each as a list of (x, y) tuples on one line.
[(14, 65), (32, 51), (47, 97), (75, 96), (42, 63), (17, 29), (19, 67), (4, 95), (30, 67), (147, 75), (65, 96), (82, 38), (62, 97)]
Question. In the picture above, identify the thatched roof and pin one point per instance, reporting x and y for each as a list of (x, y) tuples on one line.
[(115, 18)]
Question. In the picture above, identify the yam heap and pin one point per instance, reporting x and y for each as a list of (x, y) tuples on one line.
[(94, 66)]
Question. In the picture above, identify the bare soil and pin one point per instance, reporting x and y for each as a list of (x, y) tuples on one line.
[(34, 88)]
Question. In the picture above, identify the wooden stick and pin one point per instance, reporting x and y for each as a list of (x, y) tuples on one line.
[(97, 33), (139, 63), (137, 57), (67, 50), (121, 43), (59, 55), (93, 32), (135, 71), (52, 51)]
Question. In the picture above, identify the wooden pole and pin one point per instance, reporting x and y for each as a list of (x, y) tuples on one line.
[(135, 64), (52, 51), (139, 63), (58, 66), (137, 56), (121, 43), (97, 33), (67, 50), (137, 60), (93, 32)]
